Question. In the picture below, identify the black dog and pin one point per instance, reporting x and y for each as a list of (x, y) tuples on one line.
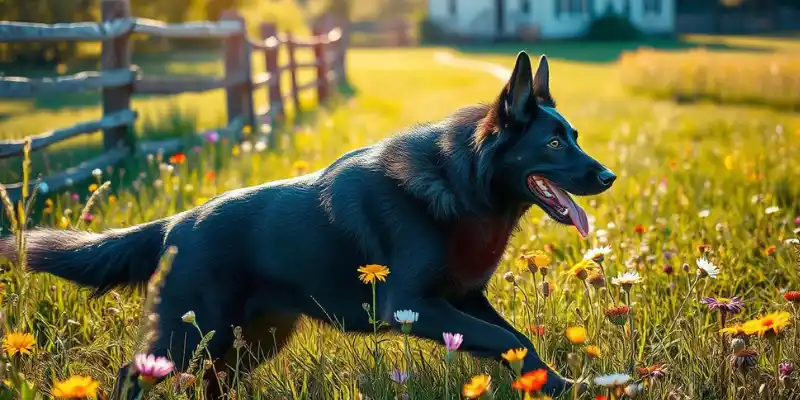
[(436, 204)]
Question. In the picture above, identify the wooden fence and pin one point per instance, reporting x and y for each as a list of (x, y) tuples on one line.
[(119, 80)]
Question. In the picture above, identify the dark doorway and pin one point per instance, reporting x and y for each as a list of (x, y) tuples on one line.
[(500, 15)]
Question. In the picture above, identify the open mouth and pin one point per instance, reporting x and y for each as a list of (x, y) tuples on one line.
[(558, 204)]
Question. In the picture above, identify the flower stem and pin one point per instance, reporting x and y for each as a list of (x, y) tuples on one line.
[(677, 314), (630, 325), (375, 325)]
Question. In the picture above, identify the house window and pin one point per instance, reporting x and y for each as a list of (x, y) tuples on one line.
[(525, 6), (451, 7), (571, 7), (652, 6)]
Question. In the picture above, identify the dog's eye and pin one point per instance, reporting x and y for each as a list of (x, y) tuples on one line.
[(554, 143)]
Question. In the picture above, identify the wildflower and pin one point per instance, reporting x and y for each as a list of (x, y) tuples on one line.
[(452, 341), (734, 330), (189, 317), (797, 220), (771, 210), (592, 351), (792, 241), (406, 318), (93, 187), (769, 325), (300, 166), (743, 359), (18, 343), (515, 355), (177, 158), (706, 268), (639, 229), (655, 371), (730, 306), (668, 269), (627, 280), (477, 386), (612, 380), (151, 368), (596, 279), (704, 213), (372, 272), (88, 218), (792, 296), (537, 330), (600, 397), (618, 315), (183, 381), (770, 250), (633, 390), (597, 254), (97, 173), (212, 137), (581, 270), (576, 334), (535, 260), (703, 248), (76, 387), (509, 277), (398, 376), (531, 382), (785, 369)]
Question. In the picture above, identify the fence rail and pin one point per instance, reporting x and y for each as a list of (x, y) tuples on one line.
[(119, 79)]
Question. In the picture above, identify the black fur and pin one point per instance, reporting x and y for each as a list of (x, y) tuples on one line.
[(436, 204)]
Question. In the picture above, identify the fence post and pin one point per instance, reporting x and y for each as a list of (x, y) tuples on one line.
[(320, 54), (116, 54), (344, 43), (290, 47), (238, 66), (274, 96)]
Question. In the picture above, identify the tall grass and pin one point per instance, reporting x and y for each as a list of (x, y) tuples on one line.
[(770, 79)]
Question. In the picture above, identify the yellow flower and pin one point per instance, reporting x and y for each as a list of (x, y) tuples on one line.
[(770, 324), (93, 187), (576, 334), (729, 162), (300, 166), (477, 386), (76, 387), (534, 260), (21, 343), (235, 150), (63, 223), (733, 330), (372, 272), (581, 270), (112, 199), (515, 355), (592, 351)]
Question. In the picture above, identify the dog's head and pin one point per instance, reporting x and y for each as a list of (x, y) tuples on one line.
[(538, 159)]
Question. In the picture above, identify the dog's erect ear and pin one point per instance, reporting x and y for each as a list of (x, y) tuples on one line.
[(541, 82), (519, 89)]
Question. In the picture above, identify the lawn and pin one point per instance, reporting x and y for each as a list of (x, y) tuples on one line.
[(696, 181)]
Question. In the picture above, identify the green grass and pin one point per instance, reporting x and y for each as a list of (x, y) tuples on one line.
[(674, 162)]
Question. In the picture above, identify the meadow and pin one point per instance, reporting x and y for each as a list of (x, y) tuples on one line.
[(699, 184)]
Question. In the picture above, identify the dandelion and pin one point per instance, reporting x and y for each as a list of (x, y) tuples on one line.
[(581, 270), (151, 368), (373, 272), (531, 382), (189, 317), (771, 210), (706, 268), (769, 325), (724, 305), (618, 315), (18, 343), (627, 280), (76, 387), (477, 387), (593, 351), (792, 296), (612, 380), (597, 254), (576, 334), (534, 260)]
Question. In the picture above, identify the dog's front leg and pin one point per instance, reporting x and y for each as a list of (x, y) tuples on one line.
[(477, 305)]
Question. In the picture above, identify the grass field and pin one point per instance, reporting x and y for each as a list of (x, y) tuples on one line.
[(695, 181)]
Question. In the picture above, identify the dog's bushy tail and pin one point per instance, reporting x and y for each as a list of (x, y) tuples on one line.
[(100, 260)]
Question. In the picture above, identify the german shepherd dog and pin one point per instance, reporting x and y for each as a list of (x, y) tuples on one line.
[(436, 204)]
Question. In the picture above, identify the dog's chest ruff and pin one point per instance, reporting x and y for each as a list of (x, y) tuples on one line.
[(475, 248)]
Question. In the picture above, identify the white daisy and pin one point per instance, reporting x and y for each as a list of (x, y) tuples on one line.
[(597, 253), (772, 210), (612, 380), (627, 279), (704, 213), (406, 316), (707, 268)]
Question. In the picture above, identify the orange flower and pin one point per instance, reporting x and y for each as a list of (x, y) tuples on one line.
[(734, 330), (770, 250), (531, 382), (211, 175), (576, 334), (477, 386), (76, 387), (768, 325), (373, 272), (639, 229), (537, 330), (178, 158)]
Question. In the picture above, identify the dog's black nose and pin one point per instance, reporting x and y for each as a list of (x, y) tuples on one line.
[(606, 177)]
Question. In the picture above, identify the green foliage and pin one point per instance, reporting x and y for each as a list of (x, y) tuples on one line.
[(612, 26)]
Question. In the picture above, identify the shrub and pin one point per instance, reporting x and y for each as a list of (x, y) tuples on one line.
[(612, 26)]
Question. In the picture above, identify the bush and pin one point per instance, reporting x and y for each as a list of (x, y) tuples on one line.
[(612, 26), (431, 32)]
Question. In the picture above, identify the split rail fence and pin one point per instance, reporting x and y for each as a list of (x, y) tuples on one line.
[(119, 80)]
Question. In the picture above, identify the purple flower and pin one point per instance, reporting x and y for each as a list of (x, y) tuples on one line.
[(453, 340), (797, 220), (398, 376), (730, 306), (785, 369), (212, 137), (151, 368)]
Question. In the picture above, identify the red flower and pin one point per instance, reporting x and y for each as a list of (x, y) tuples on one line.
[(537, 330), (770, 250), (178, 158), (211, 175), (792, 296), (531, 382), (639, 229), (600, 397)]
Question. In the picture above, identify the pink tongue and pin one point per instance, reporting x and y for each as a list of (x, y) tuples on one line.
[(576, 213)]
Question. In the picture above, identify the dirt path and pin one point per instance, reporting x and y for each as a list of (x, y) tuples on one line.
[(448, 58)]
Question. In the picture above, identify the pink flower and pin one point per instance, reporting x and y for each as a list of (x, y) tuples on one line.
[(797, 220), (453, 341), (75, 197), (212, 137), (88, 218), (151, 368)]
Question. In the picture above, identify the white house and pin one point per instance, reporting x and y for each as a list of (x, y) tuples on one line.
[(546, 19)]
